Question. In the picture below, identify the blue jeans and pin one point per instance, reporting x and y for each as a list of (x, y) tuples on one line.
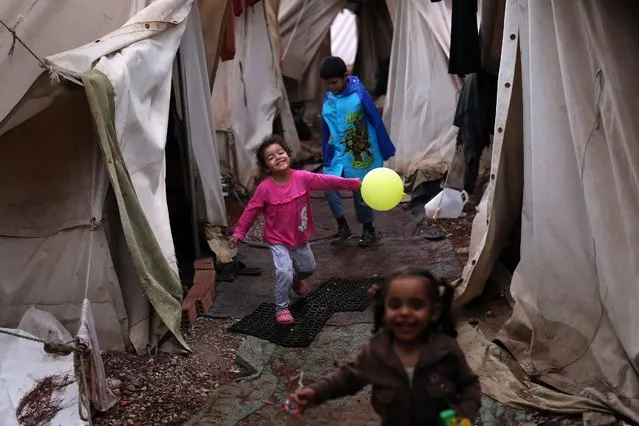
[(363, 212)]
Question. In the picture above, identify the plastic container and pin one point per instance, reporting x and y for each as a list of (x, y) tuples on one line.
[(448, 204)]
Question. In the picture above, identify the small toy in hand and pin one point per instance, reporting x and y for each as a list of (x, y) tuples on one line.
[(287, 403), (449, 418)]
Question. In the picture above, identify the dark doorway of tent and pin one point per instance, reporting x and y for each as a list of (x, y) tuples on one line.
[(182, 195)]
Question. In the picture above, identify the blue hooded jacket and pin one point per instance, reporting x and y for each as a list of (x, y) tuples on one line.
[(354, 139)]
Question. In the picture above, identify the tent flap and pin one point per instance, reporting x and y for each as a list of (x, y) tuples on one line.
[(160, 282), (422, 96), (248, 95)]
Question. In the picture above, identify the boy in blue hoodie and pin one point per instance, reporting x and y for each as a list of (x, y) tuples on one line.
[(354, 141)]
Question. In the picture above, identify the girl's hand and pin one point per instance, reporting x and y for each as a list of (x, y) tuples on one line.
[(233, 242), (304, 398)]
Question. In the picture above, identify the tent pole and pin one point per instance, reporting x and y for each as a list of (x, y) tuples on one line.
[(191, 174)]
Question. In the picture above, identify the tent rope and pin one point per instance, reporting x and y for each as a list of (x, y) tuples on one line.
[(79, 351), (79, 362), (53, 75), (93, 227)]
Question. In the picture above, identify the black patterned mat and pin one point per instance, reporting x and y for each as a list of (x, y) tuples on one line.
[(310, 312)]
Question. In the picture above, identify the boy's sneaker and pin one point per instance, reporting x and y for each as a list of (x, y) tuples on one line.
[(343, 234), (368, 238)]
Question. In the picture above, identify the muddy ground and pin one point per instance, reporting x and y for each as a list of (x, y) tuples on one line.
[(171, 389)]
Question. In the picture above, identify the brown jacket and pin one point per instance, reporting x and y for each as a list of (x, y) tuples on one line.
[(442, 380)]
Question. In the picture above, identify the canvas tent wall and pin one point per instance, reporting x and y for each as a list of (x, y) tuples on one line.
[(195, 51), (422, 96), (58, 155), (565, 161), (305, 31), (248, 95)]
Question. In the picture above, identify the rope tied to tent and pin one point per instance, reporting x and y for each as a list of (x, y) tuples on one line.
[(79, 350), (51, 347), (53, 75)]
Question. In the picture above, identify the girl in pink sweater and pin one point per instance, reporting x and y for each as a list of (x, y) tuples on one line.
[(285, 200)]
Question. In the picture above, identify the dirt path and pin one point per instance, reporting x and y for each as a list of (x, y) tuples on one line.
[(170, 389)]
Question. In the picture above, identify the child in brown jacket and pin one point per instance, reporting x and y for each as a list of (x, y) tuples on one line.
[(413, 362)]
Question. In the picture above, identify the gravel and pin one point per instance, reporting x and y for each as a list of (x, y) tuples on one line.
[(168, 389)]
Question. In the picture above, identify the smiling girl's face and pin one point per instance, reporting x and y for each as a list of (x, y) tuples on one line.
[(408, 308), (276, 158)]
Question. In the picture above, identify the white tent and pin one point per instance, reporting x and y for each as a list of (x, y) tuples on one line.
[(304, 25), (311, 31), (60, 239), (422, 96), (565, 161), (249, 94)]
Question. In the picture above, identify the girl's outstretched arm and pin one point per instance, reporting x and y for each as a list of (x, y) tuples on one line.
[(250, 214), (321, 182)]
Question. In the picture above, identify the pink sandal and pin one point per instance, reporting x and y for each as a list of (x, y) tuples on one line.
[(284, 317), (300, 288)]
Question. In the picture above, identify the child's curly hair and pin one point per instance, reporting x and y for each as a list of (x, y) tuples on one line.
[(266, 142), (439, 293)]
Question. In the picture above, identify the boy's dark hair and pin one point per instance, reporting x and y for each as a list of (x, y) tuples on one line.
[(266, 142), (439, 292), (333, 67)]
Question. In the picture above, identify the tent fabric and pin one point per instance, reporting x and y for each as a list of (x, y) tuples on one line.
[(304, 25), (38, 24), (248, 95), (199, 119), (215, 17), (201, 135), (344, 37), (158, 279), (53, 185), (138, 130), (491, 31), (392, 8), (375, 41), (272, 11), (421, 99), (96, 387), (574, 287), (305, 29)]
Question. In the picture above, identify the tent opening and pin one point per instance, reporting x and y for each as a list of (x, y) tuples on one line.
[(180, 195)]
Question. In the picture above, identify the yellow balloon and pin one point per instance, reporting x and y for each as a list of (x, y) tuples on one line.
[(382, 189)]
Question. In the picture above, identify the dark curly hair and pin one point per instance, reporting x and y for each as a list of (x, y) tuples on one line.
[(266, 142), (333, 67), (439, 293)]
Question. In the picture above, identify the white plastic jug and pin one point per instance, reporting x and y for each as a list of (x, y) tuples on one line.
[(448, 204)]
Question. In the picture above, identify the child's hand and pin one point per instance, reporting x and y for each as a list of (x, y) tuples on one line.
[(233, 242), (358, 184), (304, 398)]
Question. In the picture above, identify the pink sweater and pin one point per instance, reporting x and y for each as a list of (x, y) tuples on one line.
[(288, 219)]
